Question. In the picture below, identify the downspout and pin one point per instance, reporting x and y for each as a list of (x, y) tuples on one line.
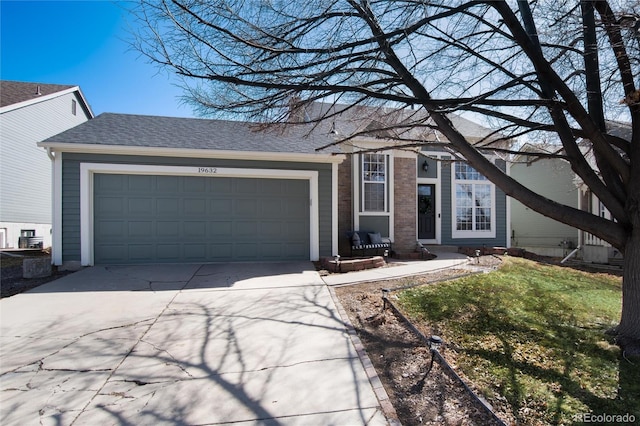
[(56, 223)]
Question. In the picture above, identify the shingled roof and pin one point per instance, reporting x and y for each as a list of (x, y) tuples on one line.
[(142, 131), (13, 92)]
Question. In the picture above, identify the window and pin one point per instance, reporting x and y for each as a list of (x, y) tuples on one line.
[(374, 182), (74, 106), (473, 204)]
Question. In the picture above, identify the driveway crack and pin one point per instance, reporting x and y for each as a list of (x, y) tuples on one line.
[(133, 347)]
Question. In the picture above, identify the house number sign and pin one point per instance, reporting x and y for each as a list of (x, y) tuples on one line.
[(207, 170)]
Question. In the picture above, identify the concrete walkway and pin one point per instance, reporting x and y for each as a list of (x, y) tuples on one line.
[(399, 269), (188, 344)]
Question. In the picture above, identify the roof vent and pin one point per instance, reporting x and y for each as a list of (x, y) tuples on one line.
[(38, 92)]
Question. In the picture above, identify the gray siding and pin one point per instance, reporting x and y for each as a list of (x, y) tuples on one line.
[(25, 174), (501, 214), (71, 190), (553, 179)]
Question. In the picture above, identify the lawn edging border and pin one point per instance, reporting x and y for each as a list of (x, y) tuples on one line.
[(442, 361)]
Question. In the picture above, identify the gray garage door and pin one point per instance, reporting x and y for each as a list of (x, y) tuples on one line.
[(149, 219)]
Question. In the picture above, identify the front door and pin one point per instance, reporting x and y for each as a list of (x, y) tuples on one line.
[(426, 211)]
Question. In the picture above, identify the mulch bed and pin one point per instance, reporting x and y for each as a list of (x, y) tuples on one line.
[(420, 396), (11, 281)]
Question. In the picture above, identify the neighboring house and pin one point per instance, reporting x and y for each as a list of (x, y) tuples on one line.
[(553, 179), (141, 189), (595, 249), (30, 113)]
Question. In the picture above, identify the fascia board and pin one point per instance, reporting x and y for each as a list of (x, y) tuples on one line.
[(198, 153), (86, 105)]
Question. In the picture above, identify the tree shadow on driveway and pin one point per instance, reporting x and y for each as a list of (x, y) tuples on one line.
[(275, 355)]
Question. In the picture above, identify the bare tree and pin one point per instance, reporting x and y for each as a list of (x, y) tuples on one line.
[(542, 70)]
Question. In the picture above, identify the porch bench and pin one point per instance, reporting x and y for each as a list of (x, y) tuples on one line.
[(368, 240)]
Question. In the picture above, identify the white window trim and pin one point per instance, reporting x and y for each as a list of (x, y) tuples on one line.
[(356, 174), (385, 210), (87, 171), (456, 234)]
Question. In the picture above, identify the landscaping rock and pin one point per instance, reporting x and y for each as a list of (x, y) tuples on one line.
[(36, 267)]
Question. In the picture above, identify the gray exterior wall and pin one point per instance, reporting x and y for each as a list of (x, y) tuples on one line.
[(71, 190)]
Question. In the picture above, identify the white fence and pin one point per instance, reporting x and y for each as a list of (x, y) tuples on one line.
[(590, 240)]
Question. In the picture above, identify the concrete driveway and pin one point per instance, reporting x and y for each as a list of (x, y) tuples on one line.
[(181, 344)]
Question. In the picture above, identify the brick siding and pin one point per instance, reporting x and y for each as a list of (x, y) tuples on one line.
[(345, 205), (405, 202)]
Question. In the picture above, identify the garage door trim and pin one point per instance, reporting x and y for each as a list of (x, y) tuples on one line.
[(87, 170)]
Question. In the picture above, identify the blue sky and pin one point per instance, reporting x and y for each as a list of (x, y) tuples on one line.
[(84, 43)]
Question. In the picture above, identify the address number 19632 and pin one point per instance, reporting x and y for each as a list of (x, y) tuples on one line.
[(207, 170)]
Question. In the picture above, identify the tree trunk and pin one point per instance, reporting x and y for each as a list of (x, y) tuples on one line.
[(628, 332)]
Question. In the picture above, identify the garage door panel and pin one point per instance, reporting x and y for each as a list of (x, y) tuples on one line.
[(195, 206), (221, 186), (168, 252), (146, 219), (272, 230), (168, 229), (246, 207), (245, 228), (112, 253), (219, 229), (167, 207), (141, 229), (141, 253), (296, 230), (111, 183), (246, 186), (192, 184), (246, 251), (195, 230), (272, 187), (195, 252), (221, 206), (296, 208), (272, 208), (140, 206), (111, 229), (168, 184), (141, 183), (111, 205), (219, 252)]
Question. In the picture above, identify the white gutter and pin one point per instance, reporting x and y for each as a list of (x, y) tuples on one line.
[(191, 153)]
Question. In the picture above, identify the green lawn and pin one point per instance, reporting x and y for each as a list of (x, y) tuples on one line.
[(531, 338)]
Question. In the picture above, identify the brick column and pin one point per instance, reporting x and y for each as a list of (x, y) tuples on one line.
[(405, 205), (345, 205)]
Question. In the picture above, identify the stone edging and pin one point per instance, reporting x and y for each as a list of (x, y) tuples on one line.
[(381, 394)]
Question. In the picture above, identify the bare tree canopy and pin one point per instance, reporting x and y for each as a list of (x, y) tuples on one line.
[(561, 72)]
